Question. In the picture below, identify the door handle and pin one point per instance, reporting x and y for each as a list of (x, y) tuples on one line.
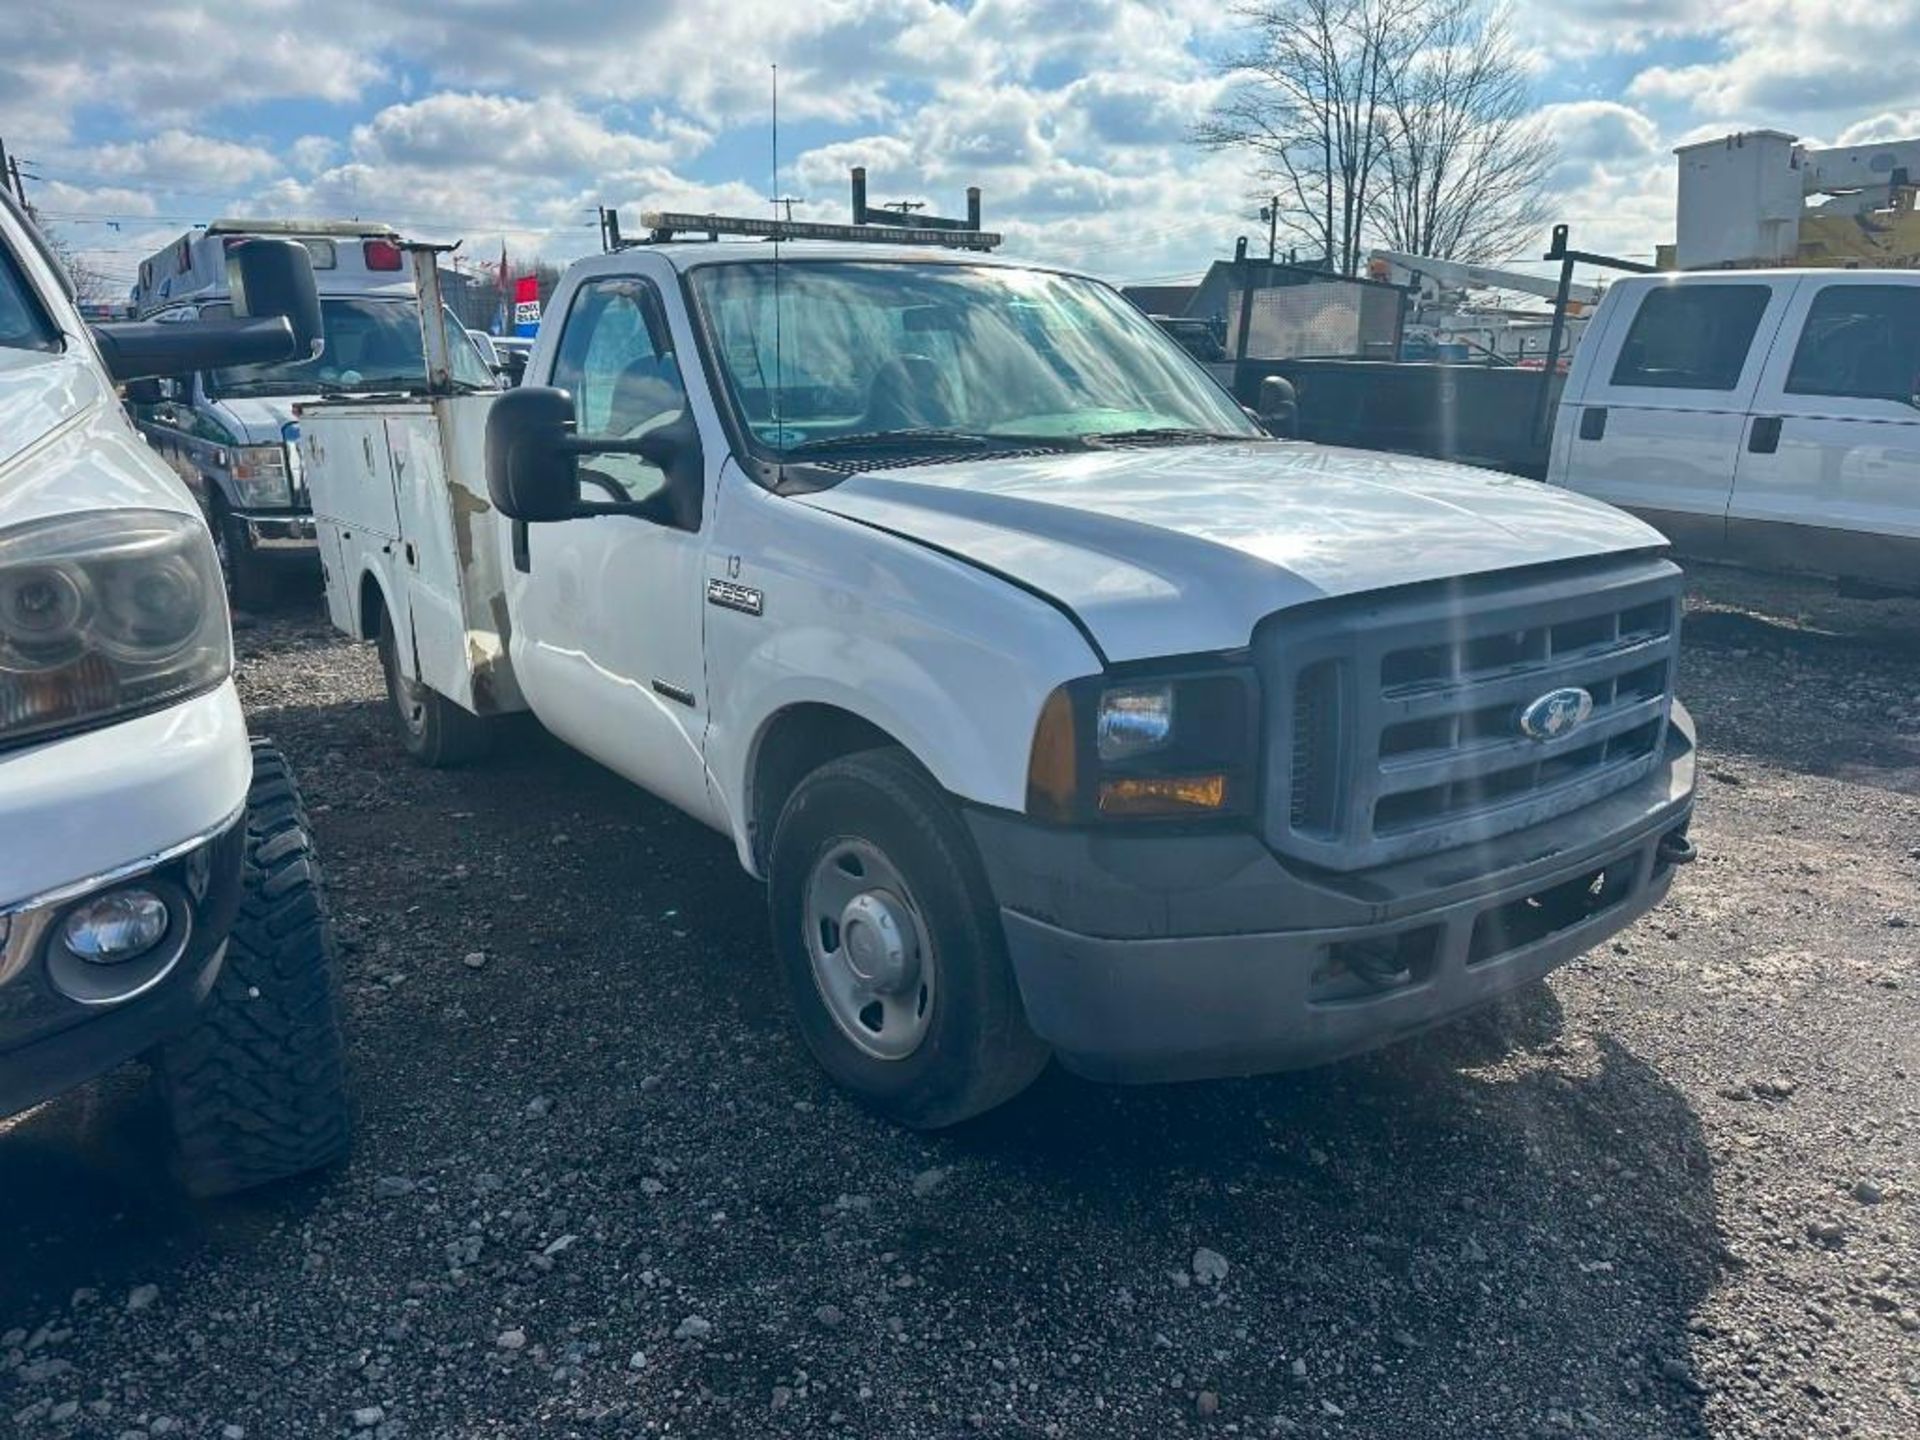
[(1764, 438), (1593, 422)]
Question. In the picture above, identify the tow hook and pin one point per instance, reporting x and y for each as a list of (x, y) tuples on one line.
[(1677, 849)]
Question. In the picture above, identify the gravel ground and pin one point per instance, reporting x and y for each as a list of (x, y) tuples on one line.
[(600, 1189)]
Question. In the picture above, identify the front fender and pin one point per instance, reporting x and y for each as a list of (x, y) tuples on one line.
[(953, 662)]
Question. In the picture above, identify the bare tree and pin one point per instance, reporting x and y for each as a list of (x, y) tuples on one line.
[(1307, 100), (1403, 120), (1465, 162), (90, 285)]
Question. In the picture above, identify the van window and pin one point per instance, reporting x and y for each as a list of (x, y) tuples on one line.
[(1861, 341), (616, 356), (1691, 337)]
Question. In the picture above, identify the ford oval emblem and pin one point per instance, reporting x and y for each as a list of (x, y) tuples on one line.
[(1555, 713)]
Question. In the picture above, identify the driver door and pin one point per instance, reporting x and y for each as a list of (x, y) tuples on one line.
[(608, 612)]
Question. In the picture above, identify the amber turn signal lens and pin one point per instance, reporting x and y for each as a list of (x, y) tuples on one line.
[(1163, 794), (1053, 779)]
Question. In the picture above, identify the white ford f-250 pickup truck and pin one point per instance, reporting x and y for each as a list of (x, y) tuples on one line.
[(1061, 708)]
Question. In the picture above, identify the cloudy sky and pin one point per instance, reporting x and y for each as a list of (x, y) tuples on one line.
[(476, 119)]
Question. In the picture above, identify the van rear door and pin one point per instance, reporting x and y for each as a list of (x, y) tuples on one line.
[(1659, 421), (1829, 470)]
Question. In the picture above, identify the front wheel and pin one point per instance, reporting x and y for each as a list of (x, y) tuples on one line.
[(252, 584), (257, 1089), (433, 729), (891, 945)]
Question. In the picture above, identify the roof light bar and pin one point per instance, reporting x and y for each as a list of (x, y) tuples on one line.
[(665, 224), (236, 226)]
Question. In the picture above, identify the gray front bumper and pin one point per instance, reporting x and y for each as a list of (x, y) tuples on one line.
[(1148, 958)]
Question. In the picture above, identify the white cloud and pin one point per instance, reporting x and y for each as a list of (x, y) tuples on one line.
[(313, 152), (178, 157), (1882, 128), (544, 137), (517, 119), (1801, 58), (1589, 131)]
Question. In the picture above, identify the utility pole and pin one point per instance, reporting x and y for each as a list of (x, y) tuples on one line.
[(10, 174), (1270, 212), (789, 201)]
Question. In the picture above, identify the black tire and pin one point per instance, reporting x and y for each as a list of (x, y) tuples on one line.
[(252, 585), (257, 1090), (977, 1051), (432, 729)]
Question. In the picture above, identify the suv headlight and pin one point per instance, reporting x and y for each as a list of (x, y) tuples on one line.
[(1165, 747), (104, 614), (260, 475)]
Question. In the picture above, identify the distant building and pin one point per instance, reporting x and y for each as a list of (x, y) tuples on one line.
[(1161, 299)]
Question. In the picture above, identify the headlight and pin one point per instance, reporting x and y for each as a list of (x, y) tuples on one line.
[(260, 475), (1183, 746), (1133, 720), (103, 614)]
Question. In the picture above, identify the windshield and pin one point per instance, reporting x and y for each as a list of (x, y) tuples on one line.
[(22, 325), (372, 345), (868, 349)]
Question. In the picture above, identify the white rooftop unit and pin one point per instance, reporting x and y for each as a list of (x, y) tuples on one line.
[(1744, 200), (1740, 201)]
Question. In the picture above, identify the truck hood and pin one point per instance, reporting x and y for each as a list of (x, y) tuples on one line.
[(261, 417), (66, 445), (1174, 550)]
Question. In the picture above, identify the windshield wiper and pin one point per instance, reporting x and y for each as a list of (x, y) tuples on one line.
[(929, 435), (258, 389), (1160, 432)]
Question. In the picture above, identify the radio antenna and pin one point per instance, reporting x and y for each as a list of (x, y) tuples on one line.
[(779, 372)]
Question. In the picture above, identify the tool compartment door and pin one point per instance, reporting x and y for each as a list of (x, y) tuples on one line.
[(428, 563)]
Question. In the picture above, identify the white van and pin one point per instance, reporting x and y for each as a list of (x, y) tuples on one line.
[(231, 433), (1768, 417)]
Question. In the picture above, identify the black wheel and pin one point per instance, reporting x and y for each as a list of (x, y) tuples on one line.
[(433, 729), (257, 1089), (251, 584), (892, 947)]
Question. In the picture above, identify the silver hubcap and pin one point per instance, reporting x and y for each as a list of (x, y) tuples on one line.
[(872, 960)]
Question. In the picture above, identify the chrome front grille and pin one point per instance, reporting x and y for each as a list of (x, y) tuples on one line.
[(1402, 711)]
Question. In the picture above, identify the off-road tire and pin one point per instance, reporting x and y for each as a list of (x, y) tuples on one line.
[(257, 1090), (978, 1051), (444, 735)]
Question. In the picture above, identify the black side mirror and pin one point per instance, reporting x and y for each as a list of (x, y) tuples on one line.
[(145, 391), (277, 317), (1279, 407), (270, 278), (533, 472)]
